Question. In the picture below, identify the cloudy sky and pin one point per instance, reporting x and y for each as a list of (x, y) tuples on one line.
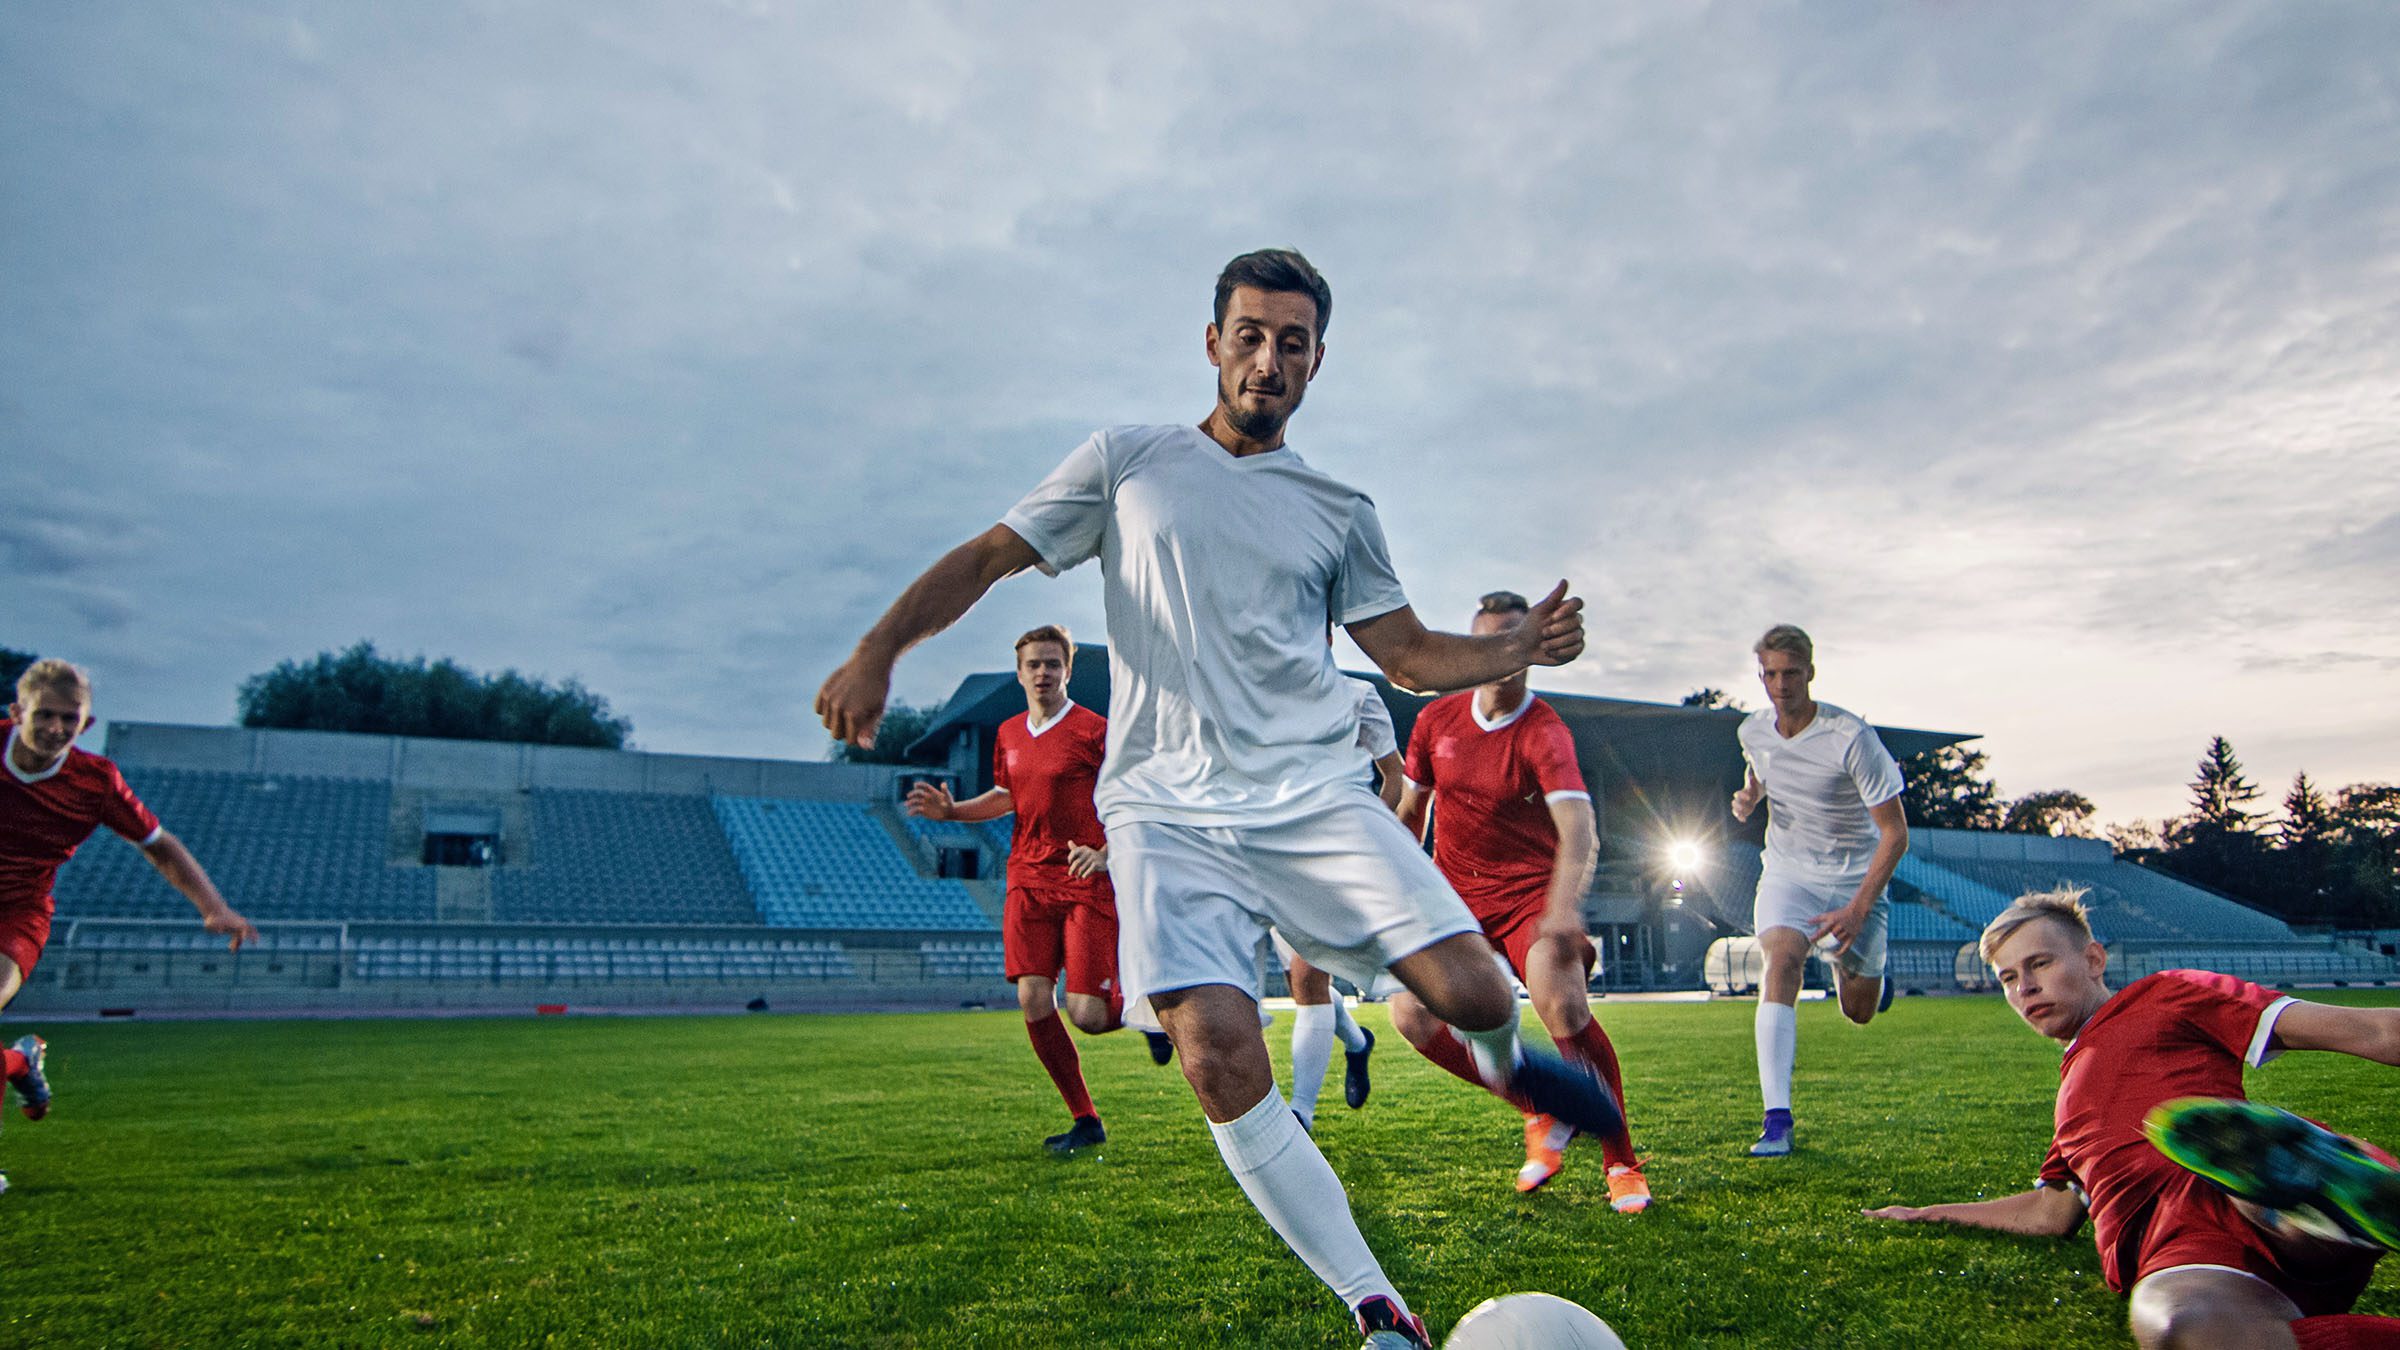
[(2042, 360)]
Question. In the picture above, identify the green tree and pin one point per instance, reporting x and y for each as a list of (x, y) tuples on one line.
[(2367, 828), (360, 690), (1948, 789), (1710, 696), (2308, 853), (2219, 845), (902, 725), (2058, 811), (12, 665), (2221, 795)]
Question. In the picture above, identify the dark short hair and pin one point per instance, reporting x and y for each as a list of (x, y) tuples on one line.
[(1503, 602), (1050, 632), (1276, 269)]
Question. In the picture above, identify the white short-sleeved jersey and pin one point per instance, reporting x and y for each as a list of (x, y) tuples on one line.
[(1219, 575), (1820, 785), (1376, 734)]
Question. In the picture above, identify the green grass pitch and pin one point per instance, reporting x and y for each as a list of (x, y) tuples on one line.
[(878, 1181)]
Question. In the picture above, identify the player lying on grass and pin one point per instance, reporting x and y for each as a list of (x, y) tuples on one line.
[(1233, 792), (52, 798), (2207, 1265), (1057, 916), (1492, 772), (1835, 835)]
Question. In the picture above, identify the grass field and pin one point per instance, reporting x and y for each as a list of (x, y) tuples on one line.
[(877, 1181)]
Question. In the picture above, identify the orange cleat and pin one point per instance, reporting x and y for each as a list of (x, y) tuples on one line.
[(1628, 1191), (1546, 1139)]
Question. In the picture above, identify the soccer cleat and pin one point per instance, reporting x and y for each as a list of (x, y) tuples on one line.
[(3, 1183), (33, 1090), (1354, 1071), (2315, 1178), (1628, 1190), (1774, 1136), (1162, 1046), (1883, 1001), (1387, 1328), (1571, 1092), (1545, 1151), (1086, 1133)]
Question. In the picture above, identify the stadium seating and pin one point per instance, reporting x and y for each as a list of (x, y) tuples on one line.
[(279, 847), (2127, 903), (950, 959), (622, 857), (500, 960), (830, 865)]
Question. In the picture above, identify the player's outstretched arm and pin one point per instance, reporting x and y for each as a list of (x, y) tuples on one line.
[(1418, 659), (933, 802), (2369, 1033), (184, 873), (852, 698), (2045, 1211)]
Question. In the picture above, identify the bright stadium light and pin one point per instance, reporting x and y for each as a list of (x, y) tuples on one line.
[(1684, 854)]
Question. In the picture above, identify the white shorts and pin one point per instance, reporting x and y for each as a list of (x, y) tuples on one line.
[(1788, 902), (1345, 885)]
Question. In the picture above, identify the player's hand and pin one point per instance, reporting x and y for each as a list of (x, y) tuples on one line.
[(1902, 1213), (932, 801), (851, 700), (1841, 925), (1747, 800), (235, 929), (1084, 860), (1552, 632)]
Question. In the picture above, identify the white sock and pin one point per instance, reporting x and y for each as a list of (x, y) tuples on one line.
[(1312, 1053), (1281, 1171), (1496, 1051), (1346, 1026), (1777, 1029)]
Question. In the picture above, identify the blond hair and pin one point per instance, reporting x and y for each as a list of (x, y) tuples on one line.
[(1785, 637), (54, 676), (1050, 632), (2064, 905)]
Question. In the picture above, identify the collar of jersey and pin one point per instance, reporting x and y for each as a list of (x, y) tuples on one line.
[(1033, 728), (1244, 462), (9, 752), (1475, 710)]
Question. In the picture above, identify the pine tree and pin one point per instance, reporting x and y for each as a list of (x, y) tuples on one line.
[(2221, 795)]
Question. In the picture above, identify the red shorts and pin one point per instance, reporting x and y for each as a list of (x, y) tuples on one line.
[(24, 932), (1513, 925), (2192, 1223), (1042, 932)]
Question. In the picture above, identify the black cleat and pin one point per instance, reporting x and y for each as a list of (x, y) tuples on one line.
[(1883, 1001), (1086, 1133), (1387, 1328), (1354, 1072), (1569, 1091), (1162, 1046)]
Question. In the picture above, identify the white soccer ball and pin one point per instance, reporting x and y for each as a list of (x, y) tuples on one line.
[(1531, 1322)]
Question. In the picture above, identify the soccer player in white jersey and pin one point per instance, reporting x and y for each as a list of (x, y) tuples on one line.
[(1835, 834), (1233, 794)]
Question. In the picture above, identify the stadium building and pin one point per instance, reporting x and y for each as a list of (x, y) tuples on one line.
[(392, 873)]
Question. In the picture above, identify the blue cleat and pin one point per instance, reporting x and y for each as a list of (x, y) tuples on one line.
[(1086, 1133), (33, 1090), (1775, 1136), (1571, 1092), (1883, 1001), (1162, 1048), (1354, 1071)]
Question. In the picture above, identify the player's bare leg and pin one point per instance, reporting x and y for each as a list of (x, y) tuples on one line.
[(1776, 1031), (11, 980), (1558, 977), (1056, 1050), (1861, 996), (2210, 1310)]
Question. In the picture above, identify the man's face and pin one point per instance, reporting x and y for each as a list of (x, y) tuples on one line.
[(1786, 678), (2052, 977), (1485, 624), (51, 722), (1042, 670), (1265, 353)]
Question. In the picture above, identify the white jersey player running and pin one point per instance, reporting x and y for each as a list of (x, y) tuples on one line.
[(1835, 834), (1233, 792)]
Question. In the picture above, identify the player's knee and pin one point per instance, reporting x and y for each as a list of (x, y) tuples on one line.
[(1088, 1018), (1483, 1006), (1411, 1019)]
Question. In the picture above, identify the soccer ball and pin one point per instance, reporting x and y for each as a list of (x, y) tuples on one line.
[(1531, 1322)]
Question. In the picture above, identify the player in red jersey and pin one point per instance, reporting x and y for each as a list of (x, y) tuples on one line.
[(52, 798), (1060, 913), (2201, 1269), (1515, 836)]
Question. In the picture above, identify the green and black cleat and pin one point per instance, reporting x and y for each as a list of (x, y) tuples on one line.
[(2279, 1161)]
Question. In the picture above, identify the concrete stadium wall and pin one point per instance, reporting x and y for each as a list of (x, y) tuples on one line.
[(416, 762)]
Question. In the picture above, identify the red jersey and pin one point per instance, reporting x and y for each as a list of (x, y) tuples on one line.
[(1493, 836), (1050, 774), (2178, 1033), (46, 817)]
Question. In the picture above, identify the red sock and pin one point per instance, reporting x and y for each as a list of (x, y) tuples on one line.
[(16, 1063), (2347, 1332), (1591, 1045), (1056, 1050), (1451, 1053)]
